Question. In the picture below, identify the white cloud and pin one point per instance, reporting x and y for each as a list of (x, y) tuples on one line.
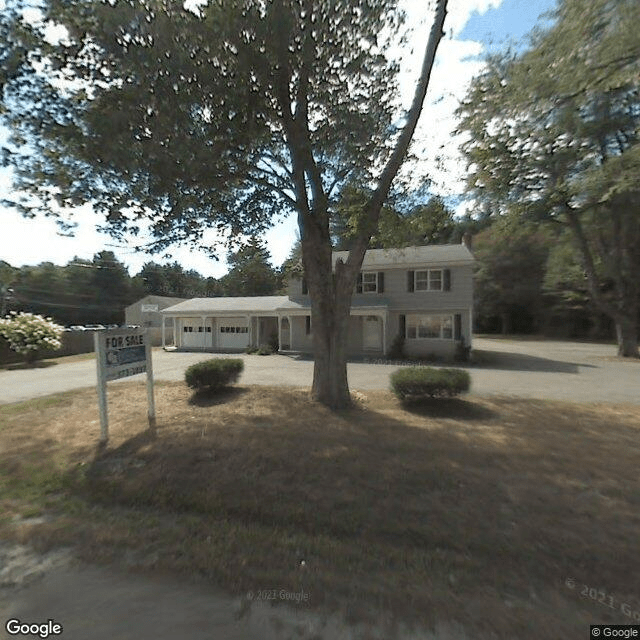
[(457, 63)]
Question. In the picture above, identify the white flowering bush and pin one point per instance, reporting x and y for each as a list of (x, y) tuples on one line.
[(30, 335)]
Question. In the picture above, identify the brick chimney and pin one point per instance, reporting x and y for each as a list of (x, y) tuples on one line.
[(467, 240)]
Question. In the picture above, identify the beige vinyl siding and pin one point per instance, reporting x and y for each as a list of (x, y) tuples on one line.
[(300, 340), (294, 287)]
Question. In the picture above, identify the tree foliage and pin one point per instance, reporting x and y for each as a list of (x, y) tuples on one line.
[(146, 106), (400, 225), (250, 273), (554, 136), (222, 117), (511, 260)]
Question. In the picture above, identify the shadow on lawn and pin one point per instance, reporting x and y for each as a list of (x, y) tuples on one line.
[(213, 397), (523, 362), (455, 408), (38, 364), (480, 517)]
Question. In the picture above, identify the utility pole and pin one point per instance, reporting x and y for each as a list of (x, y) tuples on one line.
[(6, 292)]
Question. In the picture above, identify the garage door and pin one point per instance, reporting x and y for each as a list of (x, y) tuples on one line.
[(196, 334), (233, 333)]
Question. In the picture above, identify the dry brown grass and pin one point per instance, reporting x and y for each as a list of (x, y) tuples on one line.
[(473, 510)]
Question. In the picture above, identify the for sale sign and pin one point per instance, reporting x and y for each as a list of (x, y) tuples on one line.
[(124, 354), (121, 353)]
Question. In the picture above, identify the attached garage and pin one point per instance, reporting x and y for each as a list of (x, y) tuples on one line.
[(196, 333), (233, 333)]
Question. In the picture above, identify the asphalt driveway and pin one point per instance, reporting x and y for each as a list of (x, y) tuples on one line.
[(561, 370)]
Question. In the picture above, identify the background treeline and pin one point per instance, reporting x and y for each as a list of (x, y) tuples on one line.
[(98, 290)]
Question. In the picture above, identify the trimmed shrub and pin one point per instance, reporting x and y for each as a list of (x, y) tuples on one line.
[(265, 350), (416, 383), (214, 374), (30, 335)]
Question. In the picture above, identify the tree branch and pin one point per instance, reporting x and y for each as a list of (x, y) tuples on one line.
[(356, 254)]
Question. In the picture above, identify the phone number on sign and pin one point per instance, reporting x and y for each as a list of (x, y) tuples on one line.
[(601, 596), (123, 373)]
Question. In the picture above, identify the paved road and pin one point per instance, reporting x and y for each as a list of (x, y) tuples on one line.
[(103, 603), (561, 370)]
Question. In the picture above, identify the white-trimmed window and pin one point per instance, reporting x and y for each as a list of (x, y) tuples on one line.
[(369, 283), (429, 280), (430, 326)]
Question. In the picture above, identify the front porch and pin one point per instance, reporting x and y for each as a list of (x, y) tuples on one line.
[(284, 332)]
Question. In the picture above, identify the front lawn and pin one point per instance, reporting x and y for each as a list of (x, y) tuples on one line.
[(493, 513)]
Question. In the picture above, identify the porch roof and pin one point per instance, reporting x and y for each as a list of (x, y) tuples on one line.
[(261, 305)]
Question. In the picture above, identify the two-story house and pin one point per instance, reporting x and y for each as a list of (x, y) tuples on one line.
[(422, 293)]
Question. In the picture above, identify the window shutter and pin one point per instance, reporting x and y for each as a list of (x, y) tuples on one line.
[(307, 324), (402, 330), (457, 326), (410, 279), (305, 289), (446, 279), (359, 284), (380, 281)]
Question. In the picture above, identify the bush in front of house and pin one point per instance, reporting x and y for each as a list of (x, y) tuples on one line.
[(265, 350), (417, 383), (463, 351), (30, 335), (213, 374), (396, 351)]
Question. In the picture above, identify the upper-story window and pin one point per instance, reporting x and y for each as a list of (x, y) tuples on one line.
[(370, 282), (429, 280)]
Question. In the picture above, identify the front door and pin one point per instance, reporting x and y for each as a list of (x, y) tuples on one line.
[(372, 333)]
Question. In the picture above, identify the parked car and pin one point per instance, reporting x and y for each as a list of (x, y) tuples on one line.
[(76, 327), (94, 327)]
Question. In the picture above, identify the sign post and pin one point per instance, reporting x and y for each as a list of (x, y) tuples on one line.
[(121, 353)]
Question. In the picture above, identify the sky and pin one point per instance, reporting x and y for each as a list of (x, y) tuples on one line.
[(472, 28)]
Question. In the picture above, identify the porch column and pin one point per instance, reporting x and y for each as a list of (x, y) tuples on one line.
[(163, 319), (175, 335), (203, 333), (470, 325), (383, 318), (290, 334), (258, 331), (279, 333)]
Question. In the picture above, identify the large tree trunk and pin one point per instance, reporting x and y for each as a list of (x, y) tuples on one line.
[(331, 295), (627, 335), (330, 339)]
